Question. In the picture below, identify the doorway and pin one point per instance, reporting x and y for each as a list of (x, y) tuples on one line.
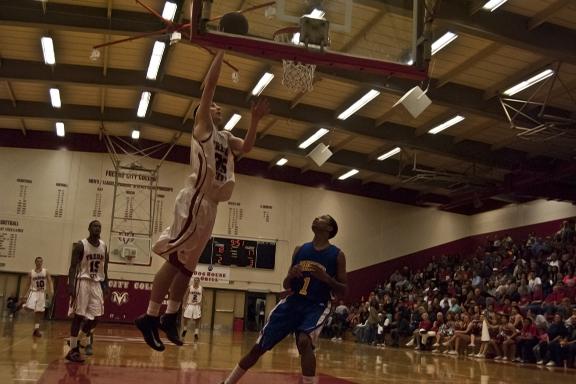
[(255, 311)]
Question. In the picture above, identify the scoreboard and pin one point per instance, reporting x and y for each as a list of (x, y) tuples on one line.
[(240, 253)]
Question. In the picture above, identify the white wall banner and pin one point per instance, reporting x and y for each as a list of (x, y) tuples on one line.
[(212, 274)]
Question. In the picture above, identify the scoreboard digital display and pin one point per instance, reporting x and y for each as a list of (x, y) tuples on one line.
[(239, 253)]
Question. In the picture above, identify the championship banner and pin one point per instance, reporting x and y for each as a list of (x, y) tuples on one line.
[(212, 274)]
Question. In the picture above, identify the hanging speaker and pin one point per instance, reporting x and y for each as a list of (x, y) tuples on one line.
[(320, 154), (415, 101)]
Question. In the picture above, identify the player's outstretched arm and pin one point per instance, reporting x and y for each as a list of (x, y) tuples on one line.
[(203, 120), (260, 108)]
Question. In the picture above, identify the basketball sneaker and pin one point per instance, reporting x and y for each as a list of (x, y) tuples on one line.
[(148, 325), (37, 333), (169, 324), (74, 355), (89, 350)]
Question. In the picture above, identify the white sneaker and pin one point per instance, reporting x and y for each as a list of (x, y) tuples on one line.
[(334, 339), (436, 345), (339, 339), (436, 351), (551, 364), (410, 343), (540, 362), (452, 353), (498, 358), (480, 355), (417, 348), (505, 358)]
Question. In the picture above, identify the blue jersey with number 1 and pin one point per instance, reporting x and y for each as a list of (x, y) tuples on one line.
[(308, 286)]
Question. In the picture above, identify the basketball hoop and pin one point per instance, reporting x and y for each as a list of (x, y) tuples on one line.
[(297, 77)]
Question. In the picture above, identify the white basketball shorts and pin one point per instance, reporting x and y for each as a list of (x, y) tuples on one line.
[(36, 301), (182, 242), (193, 311), (88, 300)]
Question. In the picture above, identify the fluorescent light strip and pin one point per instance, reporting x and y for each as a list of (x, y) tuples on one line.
[(48, 50), (169, 10), (282, 161), (368, 97), (443, 41), (491, 5), (317, 14), (155, 60), (262, 83), (348, 174), (232, 122), (389, 154), (55, 97), (319, 133), (528, 83), (60, 131), (446, 124), (135, 134), (143, 106)]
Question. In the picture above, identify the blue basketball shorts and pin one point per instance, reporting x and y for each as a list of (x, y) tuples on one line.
[(293, 315)]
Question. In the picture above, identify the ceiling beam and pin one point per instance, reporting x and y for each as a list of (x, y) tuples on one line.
[(396, 134), (471, 61), (469, 132), (548, 12), (188, 113), (102, 99), (23, 126), (264, 131), (553, 41)]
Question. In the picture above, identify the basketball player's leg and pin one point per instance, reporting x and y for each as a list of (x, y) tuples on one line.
[(177, 290), (88, 327), (197, 327), (282, 321), (78, 309), (314, 316)]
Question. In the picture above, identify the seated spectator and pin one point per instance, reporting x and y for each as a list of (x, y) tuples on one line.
[(526, 341), (557, 332), (421, 333), (339, 317), (400, 327)]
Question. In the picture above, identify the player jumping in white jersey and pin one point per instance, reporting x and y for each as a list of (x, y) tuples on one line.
[(39, 288), (193, 300), (211, 181), (87, 278)]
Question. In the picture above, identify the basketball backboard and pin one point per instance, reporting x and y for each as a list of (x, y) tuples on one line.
[(363, 35)]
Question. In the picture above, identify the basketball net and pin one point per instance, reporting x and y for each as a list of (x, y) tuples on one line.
[(296, 76)]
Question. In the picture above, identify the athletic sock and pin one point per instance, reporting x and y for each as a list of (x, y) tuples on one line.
[(235, 375), (196, 331), (173, 307), (37, 326), (73, 342), (309, 379), (153, 309)]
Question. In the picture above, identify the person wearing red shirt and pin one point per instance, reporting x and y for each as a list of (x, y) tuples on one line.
[(526, 341), (421, 333)]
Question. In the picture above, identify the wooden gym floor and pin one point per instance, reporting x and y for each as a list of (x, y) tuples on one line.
[(120, 357)]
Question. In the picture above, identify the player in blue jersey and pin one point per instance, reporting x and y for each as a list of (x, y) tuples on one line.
[(318, 271)]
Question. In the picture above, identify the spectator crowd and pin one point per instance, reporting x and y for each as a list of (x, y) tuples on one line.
[(510, 300)]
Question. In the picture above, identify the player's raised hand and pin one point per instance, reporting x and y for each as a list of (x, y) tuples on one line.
[(260, 108)]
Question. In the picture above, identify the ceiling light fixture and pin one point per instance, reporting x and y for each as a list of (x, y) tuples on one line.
[(48, 50), (371, 95), (262, 83), (316, 14), (55, 97), (60, 131), (491, 5), (348, 174), (317, 135), (446, 124), (389, 154), (443, 41), (528, 83), (169, 10), (135, 134), (155, 60), (144, 102), (282, 161), (234, 119)]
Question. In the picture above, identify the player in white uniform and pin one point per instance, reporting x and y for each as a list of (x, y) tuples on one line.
[(211, 181), (39, 286), (193, 310), (87, 278)]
